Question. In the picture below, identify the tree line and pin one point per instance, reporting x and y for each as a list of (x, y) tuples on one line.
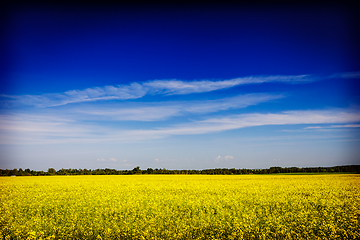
[(216, 171)]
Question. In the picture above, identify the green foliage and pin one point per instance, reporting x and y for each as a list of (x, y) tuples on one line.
[(51, 171), (216, 171)]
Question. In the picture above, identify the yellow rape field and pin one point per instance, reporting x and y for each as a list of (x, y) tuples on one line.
[(181, 207)]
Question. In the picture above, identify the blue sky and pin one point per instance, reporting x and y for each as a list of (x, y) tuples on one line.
[(179, 87)]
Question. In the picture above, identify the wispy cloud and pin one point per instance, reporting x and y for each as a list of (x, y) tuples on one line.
[(85, 124), (164, 87), (104, 160), (42, 129), (335, 126), (16, 130), (346, 75), (131, 91), (163, 110), (138, 90), (221, 159), (171, 87), (252, 120)]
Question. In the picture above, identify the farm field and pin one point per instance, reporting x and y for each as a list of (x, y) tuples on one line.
[(181, 207)]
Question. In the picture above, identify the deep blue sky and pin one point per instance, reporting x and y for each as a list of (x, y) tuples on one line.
[(79, 86)]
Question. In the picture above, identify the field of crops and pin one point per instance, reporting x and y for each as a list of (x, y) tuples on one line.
[(181, 207)]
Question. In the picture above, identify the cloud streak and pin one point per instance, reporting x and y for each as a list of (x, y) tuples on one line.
[(163, 110), (38, 131), (139, 90), (156, 87), (335, 126), (252, 120), (346, 75), (174, 87), (221, 159)]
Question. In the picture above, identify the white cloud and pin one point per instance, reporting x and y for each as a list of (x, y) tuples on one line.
[(104, 160), (43, 129), (37, 130), (169, 160), (164, 110), (346, 75), (138, 90), (165, 87), (251, 120), (240, 101), (346, 126), (171, 87), (132, 91), (226, 158), (316, 127), (335, 126)]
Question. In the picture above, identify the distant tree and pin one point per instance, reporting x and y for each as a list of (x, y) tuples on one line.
[(14, 172), (216, 171), (136, 170), (21, 172), (51, 171)]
